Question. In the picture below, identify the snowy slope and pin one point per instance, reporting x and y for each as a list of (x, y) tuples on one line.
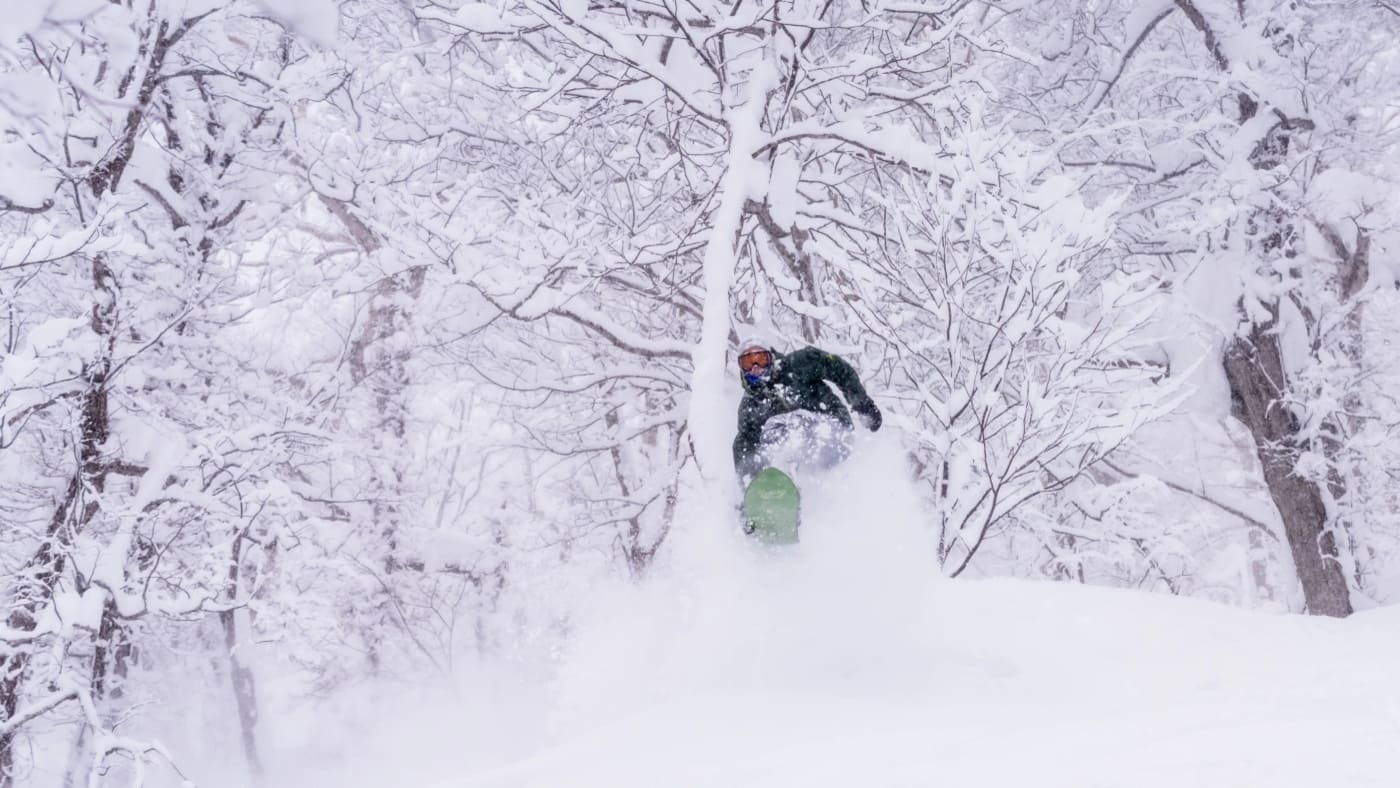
[(850, 662), (1031, 685)]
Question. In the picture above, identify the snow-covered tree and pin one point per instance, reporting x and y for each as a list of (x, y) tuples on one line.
[(1239, 127), (821, 172)]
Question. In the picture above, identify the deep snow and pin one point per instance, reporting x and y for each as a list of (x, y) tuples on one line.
[(1010, 684), (850, 662)]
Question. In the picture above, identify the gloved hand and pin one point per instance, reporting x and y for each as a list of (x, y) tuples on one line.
[(870, 414)]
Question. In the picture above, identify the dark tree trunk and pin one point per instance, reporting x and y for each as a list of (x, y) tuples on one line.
[(1254, 368), (47, 565)]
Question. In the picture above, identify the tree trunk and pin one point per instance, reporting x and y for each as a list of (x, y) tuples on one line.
[(240, 675), (1254, 368), (46, 567), (244, 693)]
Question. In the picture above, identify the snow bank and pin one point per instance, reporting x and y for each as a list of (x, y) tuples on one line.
[(848, 661)]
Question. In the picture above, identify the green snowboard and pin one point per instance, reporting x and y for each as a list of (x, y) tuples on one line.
[(770, 508)]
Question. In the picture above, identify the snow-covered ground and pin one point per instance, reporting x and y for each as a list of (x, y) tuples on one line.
[(997, 684), (848, 662)]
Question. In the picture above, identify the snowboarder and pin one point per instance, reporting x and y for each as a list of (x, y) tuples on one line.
[(797, 383)]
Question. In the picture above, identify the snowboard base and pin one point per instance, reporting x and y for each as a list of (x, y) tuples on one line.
[(771, 505)]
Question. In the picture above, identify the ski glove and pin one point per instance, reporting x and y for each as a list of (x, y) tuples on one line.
[(870, 414)]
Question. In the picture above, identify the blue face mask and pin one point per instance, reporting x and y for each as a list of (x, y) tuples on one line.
[(755, 377)]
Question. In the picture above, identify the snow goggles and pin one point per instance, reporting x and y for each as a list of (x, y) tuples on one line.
[(755, 359)]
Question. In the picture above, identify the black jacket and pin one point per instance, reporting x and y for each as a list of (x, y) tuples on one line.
[(798, 382)]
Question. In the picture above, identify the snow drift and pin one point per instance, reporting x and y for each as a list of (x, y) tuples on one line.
[(850, 661)]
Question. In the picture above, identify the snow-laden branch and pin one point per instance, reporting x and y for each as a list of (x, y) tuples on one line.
[(1144, 20), (70, 688), (605, 42), (894, 144)]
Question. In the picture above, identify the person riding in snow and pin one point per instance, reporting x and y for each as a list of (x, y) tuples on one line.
[(777, 384)]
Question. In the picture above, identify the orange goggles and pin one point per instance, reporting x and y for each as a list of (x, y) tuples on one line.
[(755, 359)]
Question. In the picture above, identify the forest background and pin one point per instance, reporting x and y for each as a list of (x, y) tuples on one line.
[(346, 341)]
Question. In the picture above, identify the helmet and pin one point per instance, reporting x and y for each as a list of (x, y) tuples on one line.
[(756, 339), (752, 343)]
